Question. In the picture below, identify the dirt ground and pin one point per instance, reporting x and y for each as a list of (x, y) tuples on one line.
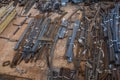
[(38, 70)]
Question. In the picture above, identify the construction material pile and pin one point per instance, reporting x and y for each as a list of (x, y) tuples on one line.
[(96, 36), (27, 5), (48, 6), (7, 13), (97, 42), (5, 1), (92, 34), (37, 39)]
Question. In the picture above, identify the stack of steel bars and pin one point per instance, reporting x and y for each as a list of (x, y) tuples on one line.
[(7, 14), (36, 40), (111, 26)]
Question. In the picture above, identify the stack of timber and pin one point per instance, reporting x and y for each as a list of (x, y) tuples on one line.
[(7, 14)]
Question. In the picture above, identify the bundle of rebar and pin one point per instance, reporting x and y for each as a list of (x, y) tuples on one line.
[(36, 40), (7, 14)]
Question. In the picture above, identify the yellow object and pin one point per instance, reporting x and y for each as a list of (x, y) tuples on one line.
[(6, 15), (4, 10), (8, 19)]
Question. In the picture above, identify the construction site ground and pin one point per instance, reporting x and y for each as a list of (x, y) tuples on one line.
[(38, 70)]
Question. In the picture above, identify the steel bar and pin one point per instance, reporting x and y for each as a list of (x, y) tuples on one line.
[(29, 6), (21, 24), (4, 10), (26, 41), (30, 40), (69, 53), (23, 35), (110, 46), (112, 28), (44, 28), (27, 53), (62, 32), (7, 20), (7, 14)]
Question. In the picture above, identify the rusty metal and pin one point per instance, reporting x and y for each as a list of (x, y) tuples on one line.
[(21, 24)]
